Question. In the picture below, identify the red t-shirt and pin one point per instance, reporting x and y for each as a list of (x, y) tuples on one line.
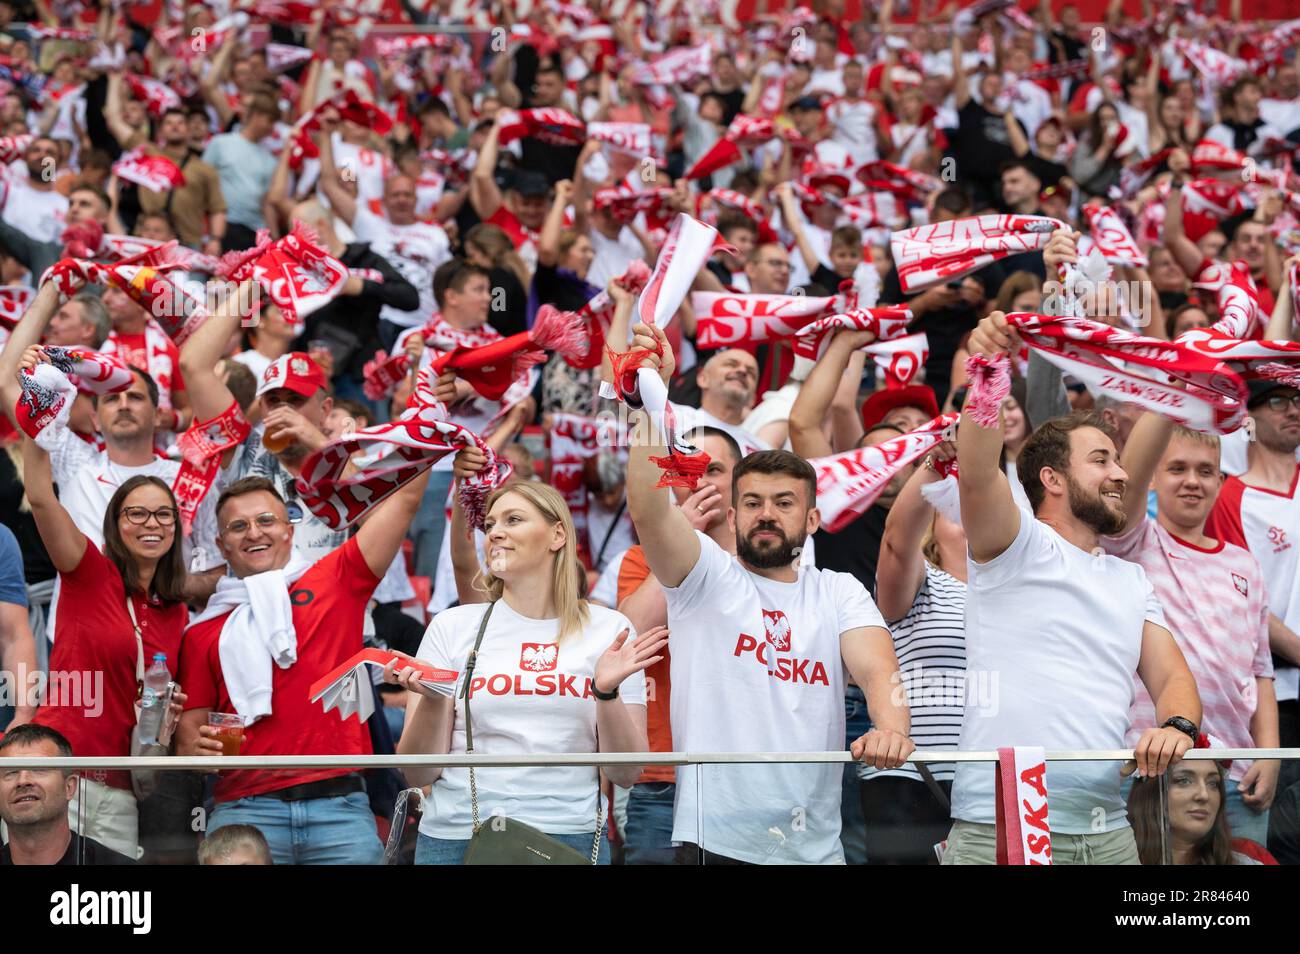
[(329, 603), (632, 572), (92, 690)]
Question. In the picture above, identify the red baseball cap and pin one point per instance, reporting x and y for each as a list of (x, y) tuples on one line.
[(294, 371), (887, 399)]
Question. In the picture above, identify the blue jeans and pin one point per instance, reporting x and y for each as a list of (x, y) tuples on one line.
[(314, 831), (1244, 821), (429, 523), (853, 824), (444, 851), (648, 834)]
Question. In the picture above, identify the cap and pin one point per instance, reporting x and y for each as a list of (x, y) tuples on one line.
[(294, 371), (807, 102), (887, 399), (1262, 388), (529, 183)]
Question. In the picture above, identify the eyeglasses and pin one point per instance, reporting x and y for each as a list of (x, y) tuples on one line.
[(264, 521), (1278, 402), (166, 516)]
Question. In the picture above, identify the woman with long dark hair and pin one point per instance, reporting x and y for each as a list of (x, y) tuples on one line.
[(124, 605), (547, 674), (1194, 822)]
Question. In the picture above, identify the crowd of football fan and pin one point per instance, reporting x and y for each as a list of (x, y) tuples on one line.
[(478, 167)]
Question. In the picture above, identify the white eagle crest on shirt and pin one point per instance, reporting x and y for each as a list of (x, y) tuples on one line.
[(777, 628), (538, 657)]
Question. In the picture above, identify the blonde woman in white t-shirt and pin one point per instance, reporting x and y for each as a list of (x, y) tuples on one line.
[(554, 674)]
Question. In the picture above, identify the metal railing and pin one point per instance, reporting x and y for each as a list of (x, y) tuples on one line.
[(233, 763)]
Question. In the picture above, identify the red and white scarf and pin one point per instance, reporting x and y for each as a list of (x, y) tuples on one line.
[(1235, 339), (1111, 361), (156, 95), (572, 441), (630, 139), (907, 184), (155, 173), (745, 132), (598, 312), (888, 324), (727, 319), (155, 351), (201, 448), (14, 300), (299, 275), (492, 369), (1024, 834), (556, 127), (849, 483), (930, 255), (47, 391), (1219, 68), (1112, 237), (385, 371), (678, 65), (400, 451), (687, 247)]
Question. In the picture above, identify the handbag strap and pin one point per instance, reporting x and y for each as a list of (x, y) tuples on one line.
[(470, 663)]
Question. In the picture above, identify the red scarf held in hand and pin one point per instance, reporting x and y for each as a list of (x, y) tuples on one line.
[(491, 369), (49, 389), (849, 483), (556, 127), (403, 448), (298, 274)]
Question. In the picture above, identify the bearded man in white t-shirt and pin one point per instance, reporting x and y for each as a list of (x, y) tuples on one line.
[(1064, 626), (759, 649)]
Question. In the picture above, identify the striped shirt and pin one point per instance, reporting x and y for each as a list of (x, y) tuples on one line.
[(1217, 609), (930, 642)]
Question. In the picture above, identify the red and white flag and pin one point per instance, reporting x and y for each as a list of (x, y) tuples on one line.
[(849, 483), (930, 255)]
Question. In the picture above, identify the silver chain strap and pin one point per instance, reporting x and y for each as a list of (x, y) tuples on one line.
[(600, 813)]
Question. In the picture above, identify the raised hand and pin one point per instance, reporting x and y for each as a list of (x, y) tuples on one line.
[(626, 656)]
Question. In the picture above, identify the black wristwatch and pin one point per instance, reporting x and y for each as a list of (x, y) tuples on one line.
[(603, 696), (1186, 726)]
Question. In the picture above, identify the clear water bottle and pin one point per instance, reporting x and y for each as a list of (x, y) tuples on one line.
[(153, 699)]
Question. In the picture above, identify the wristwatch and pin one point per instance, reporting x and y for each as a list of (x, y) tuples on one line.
[(603, 696), (1186, 726)]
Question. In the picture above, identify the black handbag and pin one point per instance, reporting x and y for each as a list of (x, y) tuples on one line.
[(503, 841)]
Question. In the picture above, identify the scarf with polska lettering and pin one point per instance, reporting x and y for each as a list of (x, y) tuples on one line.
[(731, 319), (1023, 832), (630, 139), (849, 483), (47, 391), (397, 453), (1109, 361), (299, 275), (201, 447), (556, 127), (930, 255), (687, 247), (1112, 237)]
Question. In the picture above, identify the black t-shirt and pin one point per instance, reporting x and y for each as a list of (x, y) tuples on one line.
[(554, 162), (36, 561), (734, 100), (855, 549), (982, 145), (513, 316), (81, 851), (564, 290), (1049, 173)]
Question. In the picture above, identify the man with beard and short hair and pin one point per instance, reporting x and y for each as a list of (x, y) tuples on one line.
[(34, 805), (1065, 626), (34, 205), (197, 209), (757, 634), (1260, 510)]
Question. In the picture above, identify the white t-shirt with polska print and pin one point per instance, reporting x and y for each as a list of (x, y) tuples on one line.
[(530, 693), (756, 667)]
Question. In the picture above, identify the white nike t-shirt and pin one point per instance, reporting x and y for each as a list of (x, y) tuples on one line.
[(415, 250), (529, 694), (1061, 631), (756, 667)]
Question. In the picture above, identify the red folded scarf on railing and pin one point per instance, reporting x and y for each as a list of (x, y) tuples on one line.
[(849, 483), (402, 449)]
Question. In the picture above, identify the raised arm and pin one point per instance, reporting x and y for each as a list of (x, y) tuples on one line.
[(1183, 249), (988, 511), (670, 545), (808, 414), (381, 536), (900, 569), (484, 195), (1142, 453), (341, 202), (31, 326), (210, 85), (65, 544), (548, 241), (209, 395), (960, 81), (794, 222), (1281, 321), (1016, 134)]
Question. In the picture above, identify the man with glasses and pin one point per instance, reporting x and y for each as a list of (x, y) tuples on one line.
[(1260, 510), (273, 627)]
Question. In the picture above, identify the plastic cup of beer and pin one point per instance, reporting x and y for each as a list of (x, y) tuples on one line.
[(275, 441), (230, 730)]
